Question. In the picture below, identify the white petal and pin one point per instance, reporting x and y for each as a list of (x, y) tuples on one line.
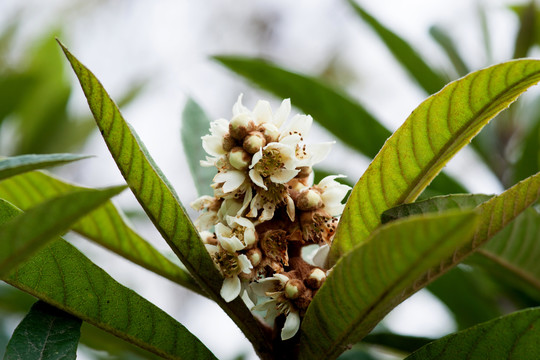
[(213, 145), (249, 236), (202, 202), (257, 179), (248, 195), (262, 112), (231, 288), (212, 249), (232, 180), (299, 124), (291, 140), (241, 221), (320, 257), (261, 287), (245, 264), (232, 244), (291, 326), (245, 295), (282, 113), (268, 212), (335, 210), (329, 180), (256, 157), (291, 210), (283, 176), (238, 108), (282, 278), (318, 152)]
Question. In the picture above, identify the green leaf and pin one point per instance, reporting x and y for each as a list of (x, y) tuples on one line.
[(25, 234), (424, 75), (433, 133), (196, 124), (402, 343), (513, 254), (106, 225), (514, 250), (526, 35), (77, 286), (336, 111), (46, 333), (19, 164), (371, 279), (161, 202), (449, 47), (435, 204), (529, 160), (514, 336)]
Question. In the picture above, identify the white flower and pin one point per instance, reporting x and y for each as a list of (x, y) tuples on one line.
[(332, 193), (231, 180), (276, 162), (209, 217), (262, 112), (238, 235), (277, 303), (231, 265)]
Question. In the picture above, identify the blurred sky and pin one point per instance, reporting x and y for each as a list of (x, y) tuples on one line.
[(169, 44)]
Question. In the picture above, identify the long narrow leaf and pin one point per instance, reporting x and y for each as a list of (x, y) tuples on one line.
[(196, 124), (432, 134), (370, 280), (337, 112), (160, 201), (45, 333), (448, 45), (426, 77), (106, 226), (25, 234), (19, 164), (513, 336)]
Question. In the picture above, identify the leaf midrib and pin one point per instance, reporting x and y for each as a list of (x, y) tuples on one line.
[(371, 309)]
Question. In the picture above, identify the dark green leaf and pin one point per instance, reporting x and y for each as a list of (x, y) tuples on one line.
[(23, 163), (77, 286), (527, 31), (431, 135), (529, 159), (435, 204), (514, 336), (105, 225), (46, 333), (402, 343), (426, 77), (25, 234), (196, 124), (371, 279), (160, 201)]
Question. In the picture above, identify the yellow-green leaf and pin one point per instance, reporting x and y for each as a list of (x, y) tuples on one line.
[(105, 225), (25, 234), (433, 133)]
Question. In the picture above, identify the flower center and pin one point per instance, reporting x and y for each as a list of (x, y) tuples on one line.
[(228, 263), (269, 163)]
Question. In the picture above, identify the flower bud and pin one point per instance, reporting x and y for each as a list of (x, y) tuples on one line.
[(239, 158), (309, 200), (253, 142), (270, 132), (305, 171), (255, 256), (240, 126), (294, 288), (316, 278)]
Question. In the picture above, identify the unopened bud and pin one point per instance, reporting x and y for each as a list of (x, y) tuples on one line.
[(239, 158), (294, 288), (270, 132), (255, 256), (240, 126), (316, 278), (305, 171), (228, 142), (309, 200), (253, 142)]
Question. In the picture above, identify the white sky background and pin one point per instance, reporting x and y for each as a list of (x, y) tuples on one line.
[(169, 43)]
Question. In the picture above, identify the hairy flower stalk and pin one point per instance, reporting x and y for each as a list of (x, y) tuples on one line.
[(266, 210)]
